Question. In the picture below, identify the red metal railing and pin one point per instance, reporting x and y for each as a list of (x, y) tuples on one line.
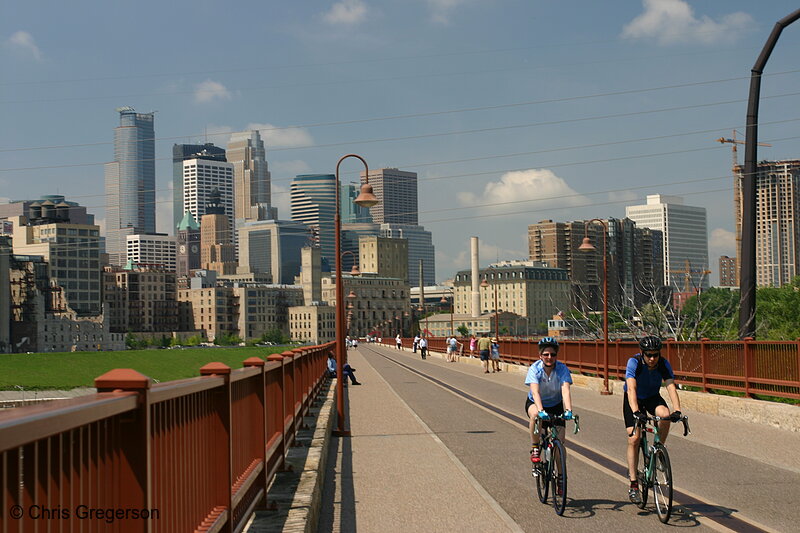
[(768, 368), (189, 455)]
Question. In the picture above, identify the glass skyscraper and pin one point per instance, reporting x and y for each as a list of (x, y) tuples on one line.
[(180, 153), (130, 182)]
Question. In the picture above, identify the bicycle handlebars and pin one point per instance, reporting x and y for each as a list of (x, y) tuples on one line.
[(642, 422), (575, 418)]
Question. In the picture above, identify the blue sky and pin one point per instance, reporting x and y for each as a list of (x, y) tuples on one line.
[(510, 111)]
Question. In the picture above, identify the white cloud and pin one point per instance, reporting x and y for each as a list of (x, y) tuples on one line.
[(523, 185), (209, 91), (24, 41), (101, 222), (673, 22), (289, 137), (623, 196), (292, 168), (164, 213), (442, 9), (722, 242), (347, 12), (282, 200)]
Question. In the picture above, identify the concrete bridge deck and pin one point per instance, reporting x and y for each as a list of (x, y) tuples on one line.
[(439, 446)]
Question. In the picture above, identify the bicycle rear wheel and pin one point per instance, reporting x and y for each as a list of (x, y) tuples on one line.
[(559, 477), (662, 483), (641, 474), (542, 481)]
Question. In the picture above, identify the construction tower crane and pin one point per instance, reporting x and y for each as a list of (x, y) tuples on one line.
[(687, 274), (733, 143)]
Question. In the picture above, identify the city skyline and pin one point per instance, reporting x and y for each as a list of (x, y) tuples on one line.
[(557, 113)]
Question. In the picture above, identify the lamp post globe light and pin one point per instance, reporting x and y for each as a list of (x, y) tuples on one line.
[(366, 198), (587, 246)]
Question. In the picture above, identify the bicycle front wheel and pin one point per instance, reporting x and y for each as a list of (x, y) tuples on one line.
[(662, 483), (559, 477), (641, 474)]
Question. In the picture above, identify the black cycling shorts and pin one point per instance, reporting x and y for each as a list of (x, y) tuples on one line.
[(645, 404), (557, 409)]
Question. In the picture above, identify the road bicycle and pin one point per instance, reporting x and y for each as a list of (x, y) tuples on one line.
[(551, 472), (656, 471)]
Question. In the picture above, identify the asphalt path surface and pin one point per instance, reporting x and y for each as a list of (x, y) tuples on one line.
[(480, 419)]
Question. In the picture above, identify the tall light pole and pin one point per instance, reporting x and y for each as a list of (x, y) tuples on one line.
[(366, 198), (485, 284), (587, 246), (747, 259)]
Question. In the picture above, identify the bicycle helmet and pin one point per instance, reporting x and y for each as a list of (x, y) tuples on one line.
[(650, 344), (544, 342)]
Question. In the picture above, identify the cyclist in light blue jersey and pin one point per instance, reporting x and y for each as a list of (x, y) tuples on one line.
[(549, 381)]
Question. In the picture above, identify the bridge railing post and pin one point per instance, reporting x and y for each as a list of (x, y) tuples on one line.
[(134, 477), (221, 440), (263, 478)]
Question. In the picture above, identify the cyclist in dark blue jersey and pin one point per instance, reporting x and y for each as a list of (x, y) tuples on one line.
[(644, 375)]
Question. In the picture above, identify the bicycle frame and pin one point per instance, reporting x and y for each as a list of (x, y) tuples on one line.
[(652, 455), (643, 426)]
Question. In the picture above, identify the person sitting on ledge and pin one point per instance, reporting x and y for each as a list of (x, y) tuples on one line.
[(348, 371)]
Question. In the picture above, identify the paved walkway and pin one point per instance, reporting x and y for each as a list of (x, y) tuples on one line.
[(394, 474)]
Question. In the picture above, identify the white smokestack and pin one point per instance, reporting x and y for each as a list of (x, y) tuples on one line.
[(476, 282)]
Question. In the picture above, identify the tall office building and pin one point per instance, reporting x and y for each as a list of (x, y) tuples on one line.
[(420, 248), (634, 266), (777, 210), (130, 182), (252, 187), (313, 202), (397, 192), (180, 153), (685, 238), (351, 212), (272, 247), (72, 250), (200, 178)]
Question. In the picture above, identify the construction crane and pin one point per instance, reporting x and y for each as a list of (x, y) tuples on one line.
[(687, 274), (733, 143)]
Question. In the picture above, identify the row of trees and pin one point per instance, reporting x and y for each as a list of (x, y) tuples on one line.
[(712, 314), (134, 342)]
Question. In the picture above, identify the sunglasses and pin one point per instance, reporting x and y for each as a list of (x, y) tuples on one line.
[(652, 355), (550, 354)]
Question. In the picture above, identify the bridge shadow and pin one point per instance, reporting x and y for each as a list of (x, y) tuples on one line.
[(682, 515), (338, 501)]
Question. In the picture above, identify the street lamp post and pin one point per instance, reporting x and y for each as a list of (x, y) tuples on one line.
[(366, 198), (587, 246), (485, 284)]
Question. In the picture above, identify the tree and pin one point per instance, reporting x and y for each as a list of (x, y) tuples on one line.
[(227, 338), (463, 330), (276, 336), (778, 311)]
